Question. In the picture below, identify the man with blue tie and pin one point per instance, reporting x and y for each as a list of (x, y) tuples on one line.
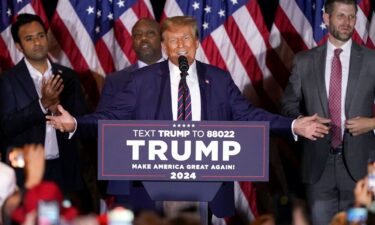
[(152, 93)]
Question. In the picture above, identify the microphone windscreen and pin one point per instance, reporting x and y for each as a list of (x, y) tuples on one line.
[(183, 63)]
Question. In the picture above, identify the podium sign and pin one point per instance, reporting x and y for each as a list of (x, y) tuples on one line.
[(183, 150)]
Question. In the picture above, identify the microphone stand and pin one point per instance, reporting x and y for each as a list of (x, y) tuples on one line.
[(184, 84), (184, 67)]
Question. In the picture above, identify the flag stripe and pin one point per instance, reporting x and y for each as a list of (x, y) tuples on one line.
[(5, 59), (285, 28), (216, 57), (115, 50), (123, 36), (298, 21), (104, 56), (70, 48), (139, 9)]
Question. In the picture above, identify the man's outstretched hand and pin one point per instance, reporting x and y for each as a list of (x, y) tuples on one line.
[(63, 121), (311, 127)]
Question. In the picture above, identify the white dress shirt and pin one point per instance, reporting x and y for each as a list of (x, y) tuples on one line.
[(345, 60), (50, 142), (142, 64), (192, 83)]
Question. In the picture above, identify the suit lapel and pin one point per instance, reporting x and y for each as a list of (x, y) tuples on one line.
[(319, 73), (23, 77), (204, 85), (163, 107), (356, 58)]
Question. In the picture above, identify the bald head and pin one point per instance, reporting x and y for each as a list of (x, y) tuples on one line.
[(146, 40)]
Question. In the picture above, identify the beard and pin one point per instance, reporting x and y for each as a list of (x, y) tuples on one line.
[(340, 36)]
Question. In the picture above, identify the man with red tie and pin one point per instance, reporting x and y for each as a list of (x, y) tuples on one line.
[(336, 81)]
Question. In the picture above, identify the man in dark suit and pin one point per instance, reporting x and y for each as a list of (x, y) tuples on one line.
[(337, 81), (32, 89), (147, 45), (152, 94)]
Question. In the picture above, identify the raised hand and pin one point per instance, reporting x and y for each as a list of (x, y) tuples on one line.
[(63, 121), (51, 89), (359, 125), (311, 127), (34, 164), (362, 194)]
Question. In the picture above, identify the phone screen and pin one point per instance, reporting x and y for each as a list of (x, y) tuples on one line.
[(16, 158), (357, 215), (48, 213), (371, 176)]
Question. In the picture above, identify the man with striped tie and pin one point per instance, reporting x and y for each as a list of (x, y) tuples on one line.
[(156, 92)]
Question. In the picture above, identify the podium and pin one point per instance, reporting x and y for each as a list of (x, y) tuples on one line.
[(184, 160)]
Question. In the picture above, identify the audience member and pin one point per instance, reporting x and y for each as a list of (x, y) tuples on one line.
[(31, 90)]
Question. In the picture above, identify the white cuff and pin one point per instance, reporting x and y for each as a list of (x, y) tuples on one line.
[(45, 111), (295, 137), (75, 128)]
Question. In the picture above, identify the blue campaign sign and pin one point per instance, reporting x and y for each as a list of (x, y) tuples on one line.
[(183, 150)]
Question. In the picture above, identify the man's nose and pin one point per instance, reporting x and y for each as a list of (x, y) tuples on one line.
[(347, 19), (180, 42), (36, 40)]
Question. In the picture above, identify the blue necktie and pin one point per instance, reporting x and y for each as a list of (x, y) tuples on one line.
[(184, 107)]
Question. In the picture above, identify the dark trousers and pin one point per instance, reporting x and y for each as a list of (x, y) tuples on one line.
[(53, 172), (332, 193)]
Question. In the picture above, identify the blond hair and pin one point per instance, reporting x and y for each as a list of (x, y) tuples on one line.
[(179, 21)]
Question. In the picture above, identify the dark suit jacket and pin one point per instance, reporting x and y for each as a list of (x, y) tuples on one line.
[(147, 96), (306, 94), (113, 85), (23, 121)]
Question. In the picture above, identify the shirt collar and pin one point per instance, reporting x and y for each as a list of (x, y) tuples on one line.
[(34, 73), (142, 64), (175, 71), (345, 47)]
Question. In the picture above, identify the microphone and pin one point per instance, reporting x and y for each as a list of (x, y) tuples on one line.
[(183, 64)]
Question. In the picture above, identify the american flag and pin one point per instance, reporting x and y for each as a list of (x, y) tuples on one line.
[(298, 25), (9, 55), (94, 36), (371, 36), (234, 37)]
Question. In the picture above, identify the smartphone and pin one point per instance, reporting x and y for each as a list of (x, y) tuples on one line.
[(48, 213), (16, 158), (120, 216), (357, 215), (371, 175)]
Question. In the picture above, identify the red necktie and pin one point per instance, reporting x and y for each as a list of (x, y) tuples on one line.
[(334, 99), (184, 107)]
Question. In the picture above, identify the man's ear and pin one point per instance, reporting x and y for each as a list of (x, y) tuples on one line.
[(19, 47), (326, 18), (163, 46)]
